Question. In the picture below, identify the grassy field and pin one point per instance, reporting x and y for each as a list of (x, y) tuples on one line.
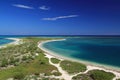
[(72, 67), (27, 64)]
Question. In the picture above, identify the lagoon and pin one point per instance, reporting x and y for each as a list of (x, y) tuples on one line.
[(101, 50)]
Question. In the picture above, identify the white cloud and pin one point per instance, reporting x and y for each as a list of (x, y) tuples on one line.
[(22, 6), (44, 8), (59, 17)]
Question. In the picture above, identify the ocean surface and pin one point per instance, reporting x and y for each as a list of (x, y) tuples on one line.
[(5, 41), (101, 50)]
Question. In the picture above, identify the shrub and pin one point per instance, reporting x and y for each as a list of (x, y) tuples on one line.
[(101, 75), (12, 60), (19, 76), (4, 63), (55, 61), (42, 62), (81, 77), (24, 58), (57, 73)]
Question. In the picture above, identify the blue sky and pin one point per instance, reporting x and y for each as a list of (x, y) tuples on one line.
[(59, 17)]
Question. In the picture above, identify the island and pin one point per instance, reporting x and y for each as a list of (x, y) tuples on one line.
[(25, 59)]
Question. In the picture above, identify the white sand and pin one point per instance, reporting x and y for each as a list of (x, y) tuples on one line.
[(65, 75)]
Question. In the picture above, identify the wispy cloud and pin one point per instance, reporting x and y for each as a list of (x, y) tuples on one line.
[(44, 8), (22, 6), (60, 17)]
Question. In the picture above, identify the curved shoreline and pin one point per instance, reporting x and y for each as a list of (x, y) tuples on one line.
[(15, 42), (89, 65)]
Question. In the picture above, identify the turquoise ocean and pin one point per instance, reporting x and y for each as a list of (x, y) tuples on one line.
[(5, 41), (101, 50)]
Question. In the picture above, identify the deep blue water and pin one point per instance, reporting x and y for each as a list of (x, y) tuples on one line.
[(103, 50)]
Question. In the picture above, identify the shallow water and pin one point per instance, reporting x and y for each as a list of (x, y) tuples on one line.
[(5, 41), (101, 50)]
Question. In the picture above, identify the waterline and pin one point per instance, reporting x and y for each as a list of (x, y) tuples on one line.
[(48, 51)]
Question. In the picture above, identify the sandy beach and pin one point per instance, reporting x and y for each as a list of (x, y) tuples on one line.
[(89, 66)]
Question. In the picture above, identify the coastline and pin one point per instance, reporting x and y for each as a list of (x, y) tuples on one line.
[(49, 54), (89, 65), (15, 42), (40, 45)]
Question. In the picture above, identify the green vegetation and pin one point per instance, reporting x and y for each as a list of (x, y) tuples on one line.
[(19, 76), (55, 61), (95, 75), (101, 75), (82, 77), (72, 67), (57, 73), (12, 61), (4, 63), (25, 61)]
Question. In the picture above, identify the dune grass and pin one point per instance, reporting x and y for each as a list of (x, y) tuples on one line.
[(55, 61), (95, 75), (31, 64), (33, 67), (81, 77), (72, 67), (101, 75)]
